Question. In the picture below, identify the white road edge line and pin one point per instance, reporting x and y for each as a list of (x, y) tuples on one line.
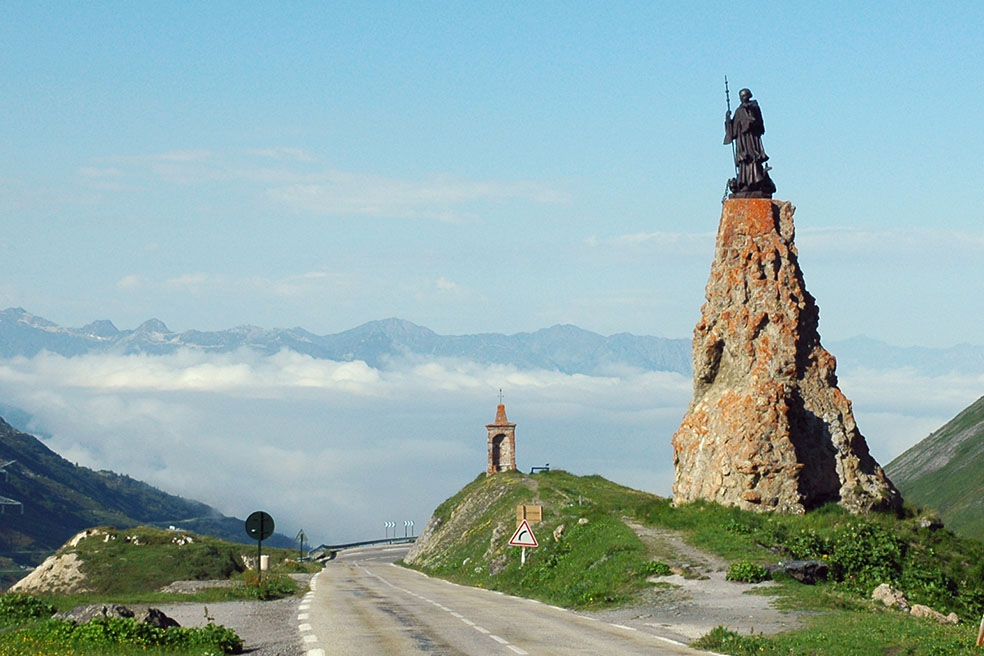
[(622, 626), (315, 652), (481, 630), (501, 641), (669, 640), (517, 650)]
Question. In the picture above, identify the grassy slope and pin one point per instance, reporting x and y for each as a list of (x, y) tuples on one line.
[(135, 563), (144, 559), (956, 488), (60, 499), (603, 563)]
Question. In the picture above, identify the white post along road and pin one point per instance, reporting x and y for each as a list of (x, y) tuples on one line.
[(362, 604)]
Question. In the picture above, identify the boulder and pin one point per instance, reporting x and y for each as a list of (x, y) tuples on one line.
[(804, 571), (154, 617), (932, 522), (890, 597), (768, 429), (84, 614), (89, 612), (918, 610)]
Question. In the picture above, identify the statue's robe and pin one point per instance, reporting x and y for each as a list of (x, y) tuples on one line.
[(746, 129)]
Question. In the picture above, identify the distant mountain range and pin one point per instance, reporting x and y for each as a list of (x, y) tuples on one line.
[(943, 472), (382, 344), (59, 499)]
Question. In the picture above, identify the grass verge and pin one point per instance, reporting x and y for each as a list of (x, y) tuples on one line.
[(597, 561)]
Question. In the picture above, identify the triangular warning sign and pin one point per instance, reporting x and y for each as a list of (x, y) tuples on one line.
[(523, 537)]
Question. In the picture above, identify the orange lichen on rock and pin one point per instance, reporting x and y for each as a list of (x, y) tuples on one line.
[(768, 429)]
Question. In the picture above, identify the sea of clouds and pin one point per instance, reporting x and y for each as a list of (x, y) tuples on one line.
[(337, 448)]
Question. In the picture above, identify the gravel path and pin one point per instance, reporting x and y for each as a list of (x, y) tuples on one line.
[(268, 628), (687, 607)]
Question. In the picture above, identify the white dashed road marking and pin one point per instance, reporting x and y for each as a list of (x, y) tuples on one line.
[(501, 641)]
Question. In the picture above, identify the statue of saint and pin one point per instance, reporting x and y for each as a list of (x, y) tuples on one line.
[(745, 130)]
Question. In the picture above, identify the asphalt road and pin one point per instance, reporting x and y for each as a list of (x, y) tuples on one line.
[(361, 603)]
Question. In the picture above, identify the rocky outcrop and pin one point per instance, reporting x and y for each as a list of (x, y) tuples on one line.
[(58, 574), (768, 429)]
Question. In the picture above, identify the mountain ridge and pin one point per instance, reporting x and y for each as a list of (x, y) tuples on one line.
[(380, 343), (565, 348)]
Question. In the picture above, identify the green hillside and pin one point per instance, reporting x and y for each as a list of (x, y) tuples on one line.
[(603, 545), (944, 472), (60, 499), (467, 538)]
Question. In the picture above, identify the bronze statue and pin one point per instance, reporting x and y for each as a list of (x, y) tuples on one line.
[(745, 131)]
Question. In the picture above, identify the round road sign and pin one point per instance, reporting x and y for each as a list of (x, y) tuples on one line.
[(259, 525)]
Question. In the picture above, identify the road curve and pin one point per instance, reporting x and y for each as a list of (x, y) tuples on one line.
[(363, 604)]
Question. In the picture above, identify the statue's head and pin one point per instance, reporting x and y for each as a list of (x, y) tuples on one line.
[(745, 95)]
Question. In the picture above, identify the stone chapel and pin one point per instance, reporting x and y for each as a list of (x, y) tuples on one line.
[(502, 443)]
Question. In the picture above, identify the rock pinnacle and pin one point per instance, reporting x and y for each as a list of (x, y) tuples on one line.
[(768, 429)]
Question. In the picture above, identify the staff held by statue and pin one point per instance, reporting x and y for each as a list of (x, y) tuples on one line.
[(734, 151), (744, 132)]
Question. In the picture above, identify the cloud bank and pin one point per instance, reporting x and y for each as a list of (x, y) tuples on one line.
[(337, 448)]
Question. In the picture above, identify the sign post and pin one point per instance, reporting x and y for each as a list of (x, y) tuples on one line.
[(523, 537), (259, 526)]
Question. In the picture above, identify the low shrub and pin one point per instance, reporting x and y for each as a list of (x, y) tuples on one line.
[(109, 633), (270, 586), (15, 606), (729, 642), (657, 568), (746, 572)]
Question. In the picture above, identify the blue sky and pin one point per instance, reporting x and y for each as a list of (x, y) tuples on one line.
[(480, 169), (470, 169)]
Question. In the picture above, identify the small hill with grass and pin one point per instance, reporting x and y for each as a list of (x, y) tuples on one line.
[(139, 560), (595, 559), (603, 546), (60, 499), (944, 472)]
